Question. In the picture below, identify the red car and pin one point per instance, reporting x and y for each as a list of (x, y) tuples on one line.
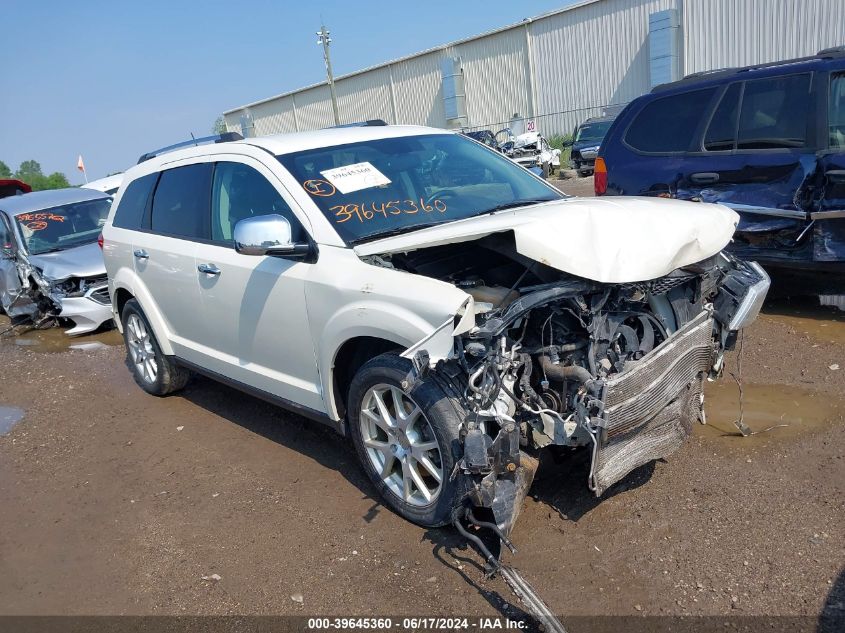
[(11, 187)]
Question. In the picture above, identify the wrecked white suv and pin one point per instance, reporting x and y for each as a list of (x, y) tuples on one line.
[(443, 307)]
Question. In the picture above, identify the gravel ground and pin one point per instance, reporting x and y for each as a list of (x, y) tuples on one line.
[(213, 502)]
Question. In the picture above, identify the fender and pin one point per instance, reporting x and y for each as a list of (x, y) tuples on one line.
[(126, 279), (376, 319)]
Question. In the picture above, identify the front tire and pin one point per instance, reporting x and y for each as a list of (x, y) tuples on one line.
[(408, 444), (154, 372)]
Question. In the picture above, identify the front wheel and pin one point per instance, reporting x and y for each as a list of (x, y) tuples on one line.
[(408, 445)]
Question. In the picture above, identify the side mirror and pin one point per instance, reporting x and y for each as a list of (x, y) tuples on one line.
[(268, 235), (567, 143)]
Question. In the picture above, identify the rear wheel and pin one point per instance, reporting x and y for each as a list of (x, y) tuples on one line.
[(408, 444), (154, 372)]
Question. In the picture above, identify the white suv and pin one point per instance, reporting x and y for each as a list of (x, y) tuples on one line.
[(449, 311)]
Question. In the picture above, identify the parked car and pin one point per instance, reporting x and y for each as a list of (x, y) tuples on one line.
[(51, 266), (586, 140), (109, 184), (767, 141), (419, 292), (13, 187), (531, 150)]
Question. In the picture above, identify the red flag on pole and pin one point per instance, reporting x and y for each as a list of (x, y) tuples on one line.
[(80, 165)]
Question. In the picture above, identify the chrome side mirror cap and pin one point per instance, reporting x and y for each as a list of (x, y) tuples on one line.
[(268, 235)]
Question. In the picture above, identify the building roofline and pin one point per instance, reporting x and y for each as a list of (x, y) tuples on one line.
[(427, 51)]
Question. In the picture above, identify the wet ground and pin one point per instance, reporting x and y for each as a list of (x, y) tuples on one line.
[(210, 501)]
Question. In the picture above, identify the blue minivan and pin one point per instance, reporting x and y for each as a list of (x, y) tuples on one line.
[(766, 140)]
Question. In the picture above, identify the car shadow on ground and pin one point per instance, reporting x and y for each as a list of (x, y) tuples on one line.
[(310, 438), (561, 483)]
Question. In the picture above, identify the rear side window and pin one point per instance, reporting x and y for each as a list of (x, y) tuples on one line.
[(836, 112), (669, 124), (181, 205), (774, 112), (721, 133), (130, 212)]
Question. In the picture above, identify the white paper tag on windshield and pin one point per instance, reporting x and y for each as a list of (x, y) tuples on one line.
[(355, 177)]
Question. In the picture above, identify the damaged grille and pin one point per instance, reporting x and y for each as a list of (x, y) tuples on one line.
[(650, 407)]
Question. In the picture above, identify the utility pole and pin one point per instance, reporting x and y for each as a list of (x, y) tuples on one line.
[(325, 40)]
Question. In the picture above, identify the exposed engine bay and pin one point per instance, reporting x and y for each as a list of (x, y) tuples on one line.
[(556, 360)]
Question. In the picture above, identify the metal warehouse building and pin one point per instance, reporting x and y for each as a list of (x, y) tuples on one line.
[(559, 68)]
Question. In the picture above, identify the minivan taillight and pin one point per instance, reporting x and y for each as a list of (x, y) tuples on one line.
[(100, 240), (600, 177)]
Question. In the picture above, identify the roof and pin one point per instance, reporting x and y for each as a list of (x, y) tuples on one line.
[(434, 49), (40, 200), (104, 184), (291, 142), (768, 68)]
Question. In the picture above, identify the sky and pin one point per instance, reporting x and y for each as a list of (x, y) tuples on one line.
[(111, 80)]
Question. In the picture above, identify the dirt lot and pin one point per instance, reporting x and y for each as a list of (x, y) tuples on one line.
[(116, 502)]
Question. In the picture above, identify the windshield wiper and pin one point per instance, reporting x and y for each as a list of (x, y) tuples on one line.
[(516, 203), (397, 231)]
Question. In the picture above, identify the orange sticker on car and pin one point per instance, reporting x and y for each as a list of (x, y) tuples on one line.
[(317, 187)]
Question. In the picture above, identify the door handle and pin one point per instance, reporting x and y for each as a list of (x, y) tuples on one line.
[(704, 178), (140, 253), (208, 269)]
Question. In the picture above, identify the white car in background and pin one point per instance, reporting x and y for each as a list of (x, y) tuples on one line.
[(109, 184), (449, 311)]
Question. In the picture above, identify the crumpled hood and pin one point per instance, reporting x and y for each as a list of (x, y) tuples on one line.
[(80, 261), (609, 240)]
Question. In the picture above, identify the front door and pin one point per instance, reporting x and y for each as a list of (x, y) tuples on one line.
[(253, 323)]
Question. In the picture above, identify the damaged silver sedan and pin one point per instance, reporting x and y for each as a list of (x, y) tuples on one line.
[(51, 266)]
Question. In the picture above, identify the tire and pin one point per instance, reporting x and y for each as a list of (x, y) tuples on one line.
[(154, 372), (546, 170), (438, 422)]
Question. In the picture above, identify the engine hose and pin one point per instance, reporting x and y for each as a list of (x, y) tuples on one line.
[(561, 349), (525, 379), (570, 372)]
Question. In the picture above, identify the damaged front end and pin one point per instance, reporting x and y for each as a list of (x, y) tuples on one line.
[(615, 368), (28, 294)]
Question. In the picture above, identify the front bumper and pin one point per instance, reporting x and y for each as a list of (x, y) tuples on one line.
[(649, 407), (89, 311)]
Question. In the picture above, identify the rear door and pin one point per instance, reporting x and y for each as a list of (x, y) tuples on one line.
[(829, 208), (164, 251), (757, 155)]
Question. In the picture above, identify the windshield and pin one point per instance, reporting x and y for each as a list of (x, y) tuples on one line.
[(593, 132), (382, 187), (63, 227)]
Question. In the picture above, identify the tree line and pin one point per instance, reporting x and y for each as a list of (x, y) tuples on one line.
[(30, 172)]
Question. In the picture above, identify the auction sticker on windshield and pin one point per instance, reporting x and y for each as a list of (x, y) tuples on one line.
[(355, 177)]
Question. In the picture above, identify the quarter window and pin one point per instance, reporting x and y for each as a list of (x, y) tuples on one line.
[(240, 192), (774, 112), (130, 212), (669, 124), (181, 202), (836, 111)]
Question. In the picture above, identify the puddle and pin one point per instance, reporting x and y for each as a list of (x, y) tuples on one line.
[(9, 417), (766, 406), (54, 340), (822, 322)]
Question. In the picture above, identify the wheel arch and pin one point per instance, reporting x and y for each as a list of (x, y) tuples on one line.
[(349, 358)]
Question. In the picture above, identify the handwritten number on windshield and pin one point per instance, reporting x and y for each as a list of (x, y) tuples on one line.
[(369, 210)]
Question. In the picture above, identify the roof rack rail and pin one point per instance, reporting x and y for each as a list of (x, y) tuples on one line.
[(215, 138), (833, 50), (368, 123)]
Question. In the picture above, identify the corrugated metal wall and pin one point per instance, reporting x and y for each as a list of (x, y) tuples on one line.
[(721, 33), (583, 58)]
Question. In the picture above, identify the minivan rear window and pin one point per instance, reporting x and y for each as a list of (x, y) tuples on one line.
[(669, 124)]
